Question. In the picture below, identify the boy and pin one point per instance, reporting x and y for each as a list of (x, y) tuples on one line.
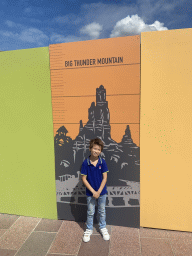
[(94, 176)]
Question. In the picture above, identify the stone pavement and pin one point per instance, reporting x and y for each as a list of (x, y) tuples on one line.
[(28, 236)]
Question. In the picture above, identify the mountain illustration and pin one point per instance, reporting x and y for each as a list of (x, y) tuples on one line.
[(123, 159)]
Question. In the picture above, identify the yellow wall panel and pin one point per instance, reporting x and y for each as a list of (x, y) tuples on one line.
[(165, 130)]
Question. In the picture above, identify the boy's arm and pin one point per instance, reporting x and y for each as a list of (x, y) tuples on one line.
[(86, 183), (103, 182)]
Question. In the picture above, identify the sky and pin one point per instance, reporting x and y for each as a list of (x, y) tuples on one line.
[(28, 24)]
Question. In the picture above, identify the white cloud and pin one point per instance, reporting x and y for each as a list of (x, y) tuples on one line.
[(158, 26), (35, 20), (12, 24), (57, 38), (30, 35), (149, 9), (62, 19), (104, 20), (27, 10), (33, 11), (93, 30), (150, 14), (106, 14), (33, 35), (134, 25), (8, 34)]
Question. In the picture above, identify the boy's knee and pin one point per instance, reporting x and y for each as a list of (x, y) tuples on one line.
[(91, 212)]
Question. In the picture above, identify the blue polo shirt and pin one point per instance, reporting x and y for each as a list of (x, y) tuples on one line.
[(94, 174)]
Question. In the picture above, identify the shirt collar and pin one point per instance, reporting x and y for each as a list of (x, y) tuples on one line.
[(89, 163)]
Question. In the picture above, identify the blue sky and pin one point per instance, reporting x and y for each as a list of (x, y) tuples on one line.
[(38, 23)]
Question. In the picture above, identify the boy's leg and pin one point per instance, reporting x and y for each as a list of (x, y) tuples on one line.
[(90, 211), (101, 211)]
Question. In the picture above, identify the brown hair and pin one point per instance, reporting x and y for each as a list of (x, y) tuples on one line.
[(96, 142)]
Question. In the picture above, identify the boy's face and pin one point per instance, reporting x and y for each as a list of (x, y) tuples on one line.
[(95, 150)]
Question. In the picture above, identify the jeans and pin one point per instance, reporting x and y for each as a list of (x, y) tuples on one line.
[(101, 211)]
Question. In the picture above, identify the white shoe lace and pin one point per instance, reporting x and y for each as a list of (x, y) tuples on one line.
[(104, 231), (87, 232)]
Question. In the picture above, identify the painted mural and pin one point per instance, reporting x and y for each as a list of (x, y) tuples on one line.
[(121, 153)]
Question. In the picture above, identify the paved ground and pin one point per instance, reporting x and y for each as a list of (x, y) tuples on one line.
[(28, 236)]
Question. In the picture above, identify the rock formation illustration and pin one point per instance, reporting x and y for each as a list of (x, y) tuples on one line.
[(123, 159)]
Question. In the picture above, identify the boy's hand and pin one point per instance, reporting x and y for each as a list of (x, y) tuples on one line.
[(96, 194)]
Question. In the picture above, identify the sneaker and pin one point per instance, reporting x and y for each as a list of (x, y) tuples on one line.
[(87, 234), (105, 234)]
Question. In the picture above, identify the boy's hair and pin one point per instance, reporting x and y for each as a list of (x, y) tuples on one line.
[(96, 142)]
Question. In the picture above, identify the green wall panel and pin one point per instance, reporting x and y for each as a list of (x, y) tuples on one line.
[(27, 167)]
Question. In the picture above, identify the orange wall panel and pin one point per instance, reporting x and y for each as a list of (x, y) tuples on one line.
[(95, 89)]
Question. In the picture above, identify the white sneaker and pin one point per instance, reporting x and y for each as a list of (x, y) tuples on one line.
[(105, 234), (87, 234)]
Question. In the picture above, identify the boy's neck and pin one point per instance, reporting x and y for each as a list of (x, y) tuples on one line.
[(93, 158)]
